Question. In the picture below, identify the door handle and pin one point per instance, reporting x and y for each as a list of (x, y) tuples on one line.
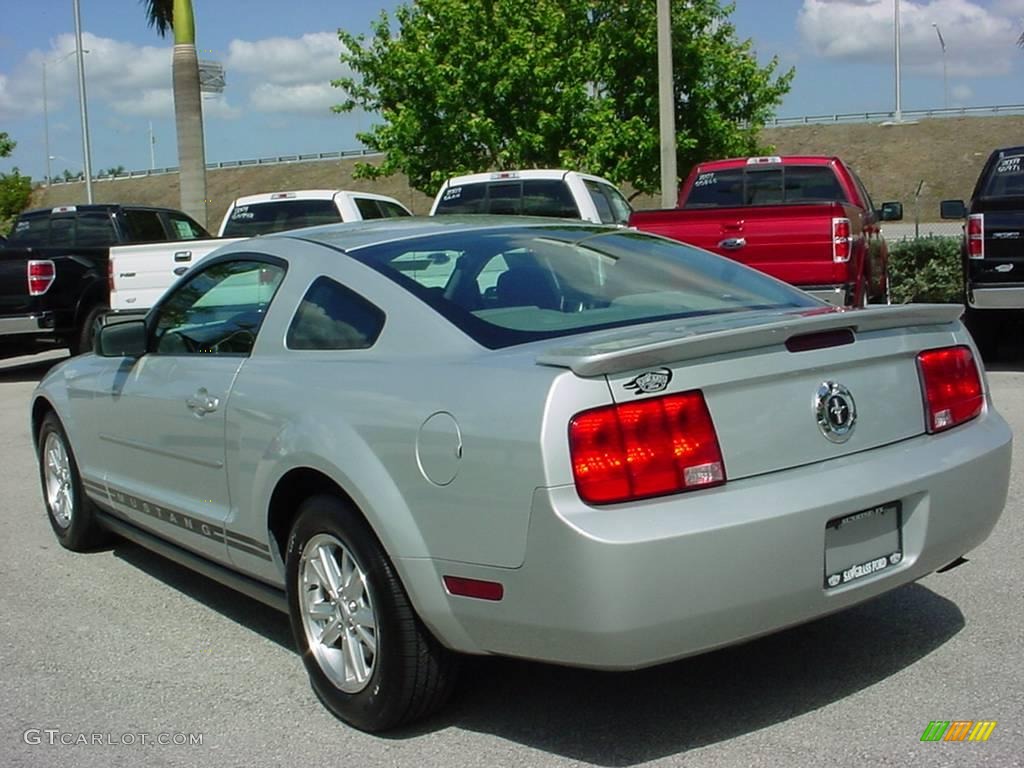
[(183, 256), (202, 402), (733, 243)]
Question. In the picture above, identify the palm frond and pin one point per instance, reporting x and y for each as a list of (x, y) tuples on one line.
[(160, 15)]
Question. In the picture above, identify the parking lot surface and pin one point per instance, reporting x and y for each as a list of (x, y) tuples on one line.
[(121, 658)]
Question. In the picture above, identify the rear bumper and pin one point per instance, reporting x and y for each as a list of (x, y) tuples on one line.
[(636, 585), (18, 325), (996, 297), (837, 295)]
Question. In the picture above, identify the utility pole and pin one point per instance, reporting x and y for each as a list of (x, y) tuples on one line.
[(86, 149), (945, 77), (46, 126), (152, 147), (898, 116), (666, 106)]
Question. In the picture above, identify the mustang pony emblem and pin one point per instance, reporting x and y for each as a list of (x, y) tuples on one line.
[(651, 381)]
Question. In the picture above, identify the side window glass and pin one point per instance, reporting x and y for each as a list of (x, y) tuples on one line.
[(621, 209), (94, 229), (218, 311), (368, 208), (330, 316), (184, 228), (145, 226), (604, 209), (392, 211)]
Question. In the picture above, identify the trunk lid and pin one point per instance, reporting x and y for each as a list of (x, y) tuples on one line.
[(762, 396), (790, 242)]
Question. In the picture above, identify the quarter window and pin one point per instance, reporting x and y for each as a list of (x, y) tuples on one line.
[(218, 311), (330, 316)]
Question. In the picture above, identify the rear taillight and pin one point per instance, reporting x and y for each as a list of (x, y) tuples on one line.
[(647, 448), (41, 274), (951, 385), (842, 240), (976, 236)]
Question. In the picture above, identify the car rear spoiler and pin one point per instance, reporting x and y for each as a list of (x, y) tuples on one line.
[(676, 341)]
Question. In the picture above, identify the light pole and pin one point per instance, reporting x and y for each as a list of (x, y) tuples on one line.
[(945, 76), (46, 113), (898, 116), (86, 150), (666, 106)]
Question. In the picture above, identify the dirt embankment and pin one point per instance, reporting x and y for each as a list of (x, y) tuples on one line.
[(944, 153)]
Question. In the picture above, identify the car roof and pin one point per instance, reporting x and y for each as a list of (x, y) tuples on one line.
[(361, 234), (743, 162), (307, 194), (98, 207), (531, 173)]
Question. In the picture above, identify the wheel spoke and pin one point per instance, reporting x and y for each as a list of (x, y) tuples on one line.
[(321, 611), (355, 657), (331, 633), (368, 640)]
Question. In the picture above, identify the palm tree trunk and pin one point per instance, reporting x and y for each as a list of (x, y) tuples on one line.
[(188, 114)]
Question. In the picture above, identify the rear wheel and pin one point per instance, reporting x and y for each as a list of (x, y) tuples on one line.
[(83, 341), (72, 516), (369, 658)]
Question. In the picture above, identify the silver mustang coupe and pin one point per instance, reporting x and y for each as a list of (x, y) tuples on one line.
[(543, 439)]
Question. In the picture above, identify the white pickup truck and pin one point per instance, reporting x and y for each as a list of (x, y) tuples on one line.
[(139, 274), (540, 192)]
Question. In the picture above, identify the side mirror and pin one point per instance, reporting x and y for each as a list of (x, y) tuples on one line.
[(122, 339), (953, 209), (891, 212)]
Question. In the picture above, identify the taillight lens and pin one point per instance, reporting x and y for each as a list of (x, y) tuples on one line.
[(648, 448), (842, 240), (951, 385), (41, 274), (976, 236)]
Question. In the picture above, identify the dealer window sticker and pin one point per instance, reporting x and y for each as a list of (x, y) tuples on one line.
[(1010, 164), (452, 193), (706, 180)]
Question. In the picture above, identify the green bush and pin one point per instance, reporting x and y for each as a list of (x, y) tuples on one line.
[(15, 191), (927, 269)]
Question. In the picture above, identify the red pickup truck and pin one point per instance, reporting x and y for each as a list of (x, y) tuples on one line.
[(806, 220)]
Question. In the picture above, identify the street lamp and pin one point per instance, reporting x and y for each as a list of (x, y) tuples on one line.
[(898, 116), (46, 112), (86, 150), (945, 77)]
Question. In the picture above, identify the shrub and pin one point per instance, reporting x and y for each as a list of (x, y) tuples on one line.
[(15, 191), (926, 269)]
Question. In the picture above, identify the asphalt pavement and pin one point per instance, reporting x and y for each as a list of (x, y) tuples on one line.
[(105, 656)]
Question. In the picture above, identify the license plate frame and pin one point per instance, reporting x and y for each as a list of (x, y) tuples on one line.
[(863, 543)]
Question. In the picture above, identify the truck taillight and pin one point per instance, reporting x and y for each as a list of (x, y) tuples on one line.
[(976, 236), (648, 448), (41, 274), (951, 385), (842, 240)]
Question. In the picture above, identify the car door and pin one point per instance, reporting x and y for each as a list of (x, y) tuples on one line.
[(162, 416)]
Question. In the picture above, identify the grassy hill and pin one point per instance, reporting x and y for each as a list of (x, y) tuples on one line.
[(946, 154)]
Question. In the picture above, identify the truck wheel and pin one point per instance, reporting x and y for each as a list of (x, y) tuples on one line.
[(83, 341), (369, 658), (71, 514)]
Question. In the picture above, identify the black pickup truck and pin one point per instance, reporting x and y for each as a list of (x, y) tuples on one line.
[(993, 247), (54, 282)]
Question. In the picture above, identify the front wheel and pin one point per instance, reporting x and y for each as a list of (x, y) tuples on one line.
[(71, 514), (369, 658)]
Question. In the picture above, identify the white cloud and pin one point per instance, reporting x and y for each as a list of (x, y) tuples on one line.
[(979, 41), (309, 98), (962, 94), (289, 60)]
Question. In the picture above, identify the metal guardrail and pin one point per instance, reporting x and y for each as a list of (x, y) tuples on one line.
[(876, 117), (280, 159)]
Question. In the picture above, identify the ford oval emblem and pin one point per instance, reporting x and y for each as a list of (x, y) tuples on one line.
[(836, 411)]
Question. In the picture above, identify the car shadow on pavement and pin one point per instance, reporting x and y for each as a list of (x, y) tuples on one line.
[(243, 610), (622, 719)]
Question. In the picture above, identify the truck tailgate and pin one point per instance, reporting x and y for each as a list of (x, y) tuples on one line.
[(790, 242), (141, 273)]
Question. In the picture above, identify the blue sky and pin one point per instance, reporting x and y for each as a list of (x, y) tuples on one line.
[(279, 64)]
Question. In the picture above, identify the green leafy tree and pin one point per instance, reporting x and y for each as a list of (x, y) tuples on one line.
[(15, 189), (470, 86), (177, 16)]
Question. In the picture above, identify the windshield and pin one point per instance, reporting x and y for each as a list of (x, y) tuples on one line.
[(1006, 179), (278, 216), (510, 286)]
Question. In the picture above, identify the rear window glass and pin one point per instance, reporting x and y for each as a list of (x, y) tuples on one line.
[(278, 216), (518, 285), (532, 197), (31, 231), (779, 185), (1006, 179)]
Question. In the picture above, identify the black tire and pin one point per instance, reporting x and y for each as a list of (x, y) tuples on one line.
[(75, 526), (985, 327), (410, 674), (83, 341)]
